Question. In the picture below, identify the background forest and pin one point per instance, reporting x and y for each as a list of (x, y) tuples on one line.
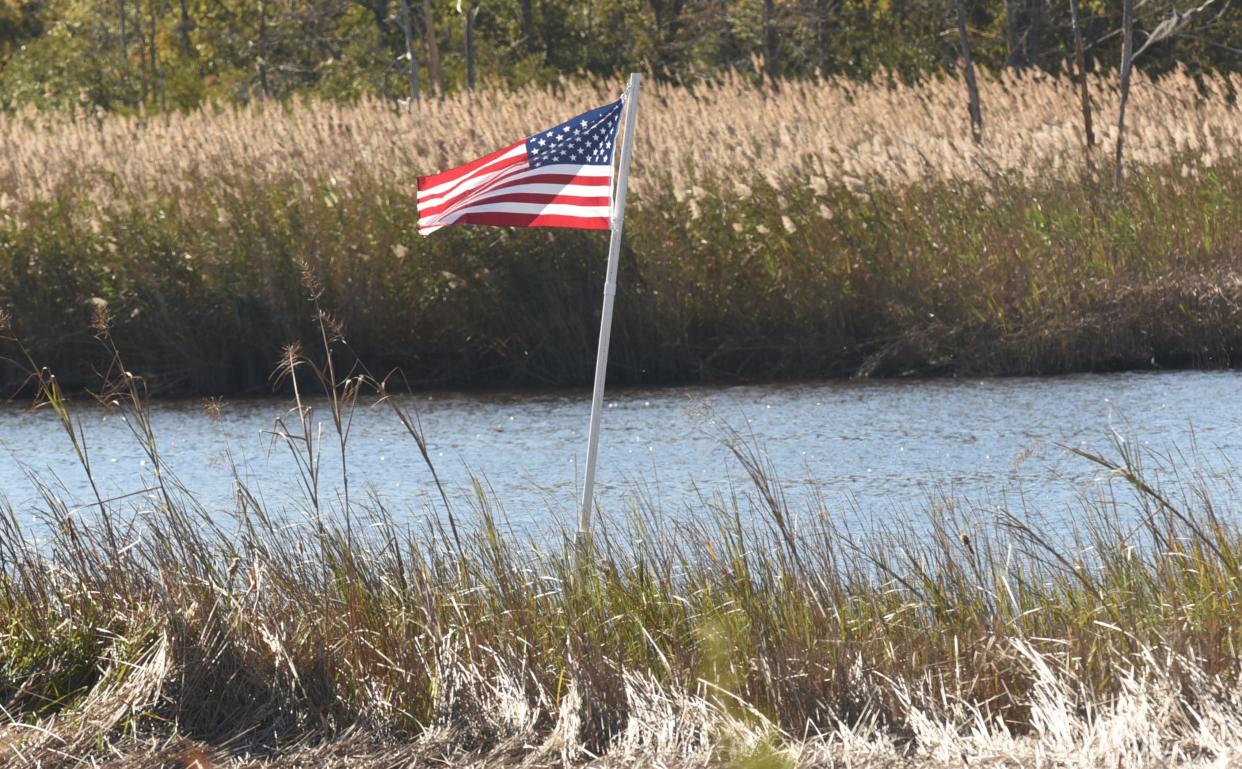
[(158, 55)]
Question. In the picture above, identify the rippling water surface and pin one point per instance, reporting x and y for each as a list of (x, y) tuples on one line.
[(869, 450)]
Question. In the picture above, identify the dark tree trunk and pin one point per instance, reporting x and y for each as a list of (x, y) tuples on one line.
[(1033, 31), (972, 87), (1080, 63), (120, 9), (770, 42), (264, 85), (1127, 65), (528, 24), (1013, 33), (184, 27), (433, 48), (1024, 22), (153, 54), (471, 12), (379, 11), (667, 15), (823, 9), (144, 69), (407, 29)]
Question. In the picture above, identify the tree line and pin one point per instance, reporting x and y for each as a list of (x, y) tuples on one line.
[(154, 55)]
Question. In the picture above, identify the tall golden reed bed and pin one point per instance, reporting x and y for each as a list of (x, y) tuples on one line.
[(834, 130)]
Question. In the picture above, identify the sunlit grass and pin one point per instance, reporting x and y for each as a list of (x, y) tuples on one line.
[(823, 229), (686, 636), (823, 132)]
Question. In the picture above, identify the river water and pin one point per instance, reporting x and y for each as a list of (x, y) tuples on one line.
[(864, 450)]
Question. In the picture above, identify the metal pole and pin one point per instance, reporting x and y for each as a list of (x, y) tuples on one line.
[(582, 539)]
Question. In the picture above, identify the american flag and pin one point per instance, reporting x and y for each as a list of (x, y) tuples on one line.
[(561, 177)]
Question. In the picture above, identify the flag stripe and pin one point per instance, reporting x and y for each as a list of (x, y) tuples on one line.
[(539, 200), (542, 199), (593, 176), (540, 186), (515, 174), (431, 210), (443, 181), (484, 181), (481, 183), (580, 214), (501, 219), (562, 209)]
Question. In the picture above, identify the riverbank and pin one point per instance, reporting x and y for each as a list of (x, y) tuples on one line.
[(147, 630), (880, 241), (160, 638)]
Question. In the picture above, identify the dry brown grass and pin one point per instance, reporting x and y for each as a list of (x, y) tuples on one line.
[(822, 229), (836, 130), (164, 635), (1150, 723)]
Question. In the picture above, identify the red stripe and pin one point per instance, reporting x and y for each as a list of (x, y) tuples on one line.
[(498, 219), (498, 195), (493, 192), (455, 199), (427, 182), (461, 193)]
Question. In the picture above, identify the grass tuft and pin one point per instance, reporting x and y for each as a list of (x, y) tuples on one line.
[(345, 635)]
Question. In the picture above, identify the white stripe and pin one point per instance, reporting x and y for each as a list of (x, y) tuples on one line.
[(576, 169), (484, 184), (497, 201), (547, 190), (554, 209), (575, 190), (481, 183), (520, 149)]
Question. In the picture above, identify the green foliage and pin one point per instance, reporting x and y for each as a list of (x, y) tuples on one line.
[(730, 282), (122, 55), (43, 668)]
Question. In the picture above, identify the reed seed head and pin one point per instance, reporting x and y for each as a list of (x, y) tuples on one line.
[(101, 316)]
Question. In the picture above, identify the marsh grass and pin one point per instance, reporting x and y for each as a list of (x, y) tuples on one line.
[(340, 633), (821, 229)]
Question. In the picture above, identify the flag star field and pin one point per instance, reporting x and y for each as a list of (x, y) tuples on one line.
[(587, 139)]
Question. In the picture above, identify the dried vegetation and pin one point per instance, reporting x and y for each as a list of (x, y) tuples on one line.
[(836, 130), (822, 228), (740, 633)]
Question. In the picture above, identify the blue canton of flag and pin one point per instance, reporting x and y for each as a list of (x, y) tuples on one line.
[(585, 140)]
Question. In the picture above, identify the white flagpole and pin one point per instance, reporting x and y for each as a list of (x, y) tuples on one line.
[(605, 321)]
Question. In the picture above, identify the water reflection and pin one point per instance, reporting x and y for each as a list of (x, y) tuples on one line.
[(867, 450)]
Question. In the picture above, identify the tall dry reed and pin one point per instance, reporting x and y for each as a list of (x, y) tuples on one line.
[(838, 130), (340, 634), (818, 229)]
